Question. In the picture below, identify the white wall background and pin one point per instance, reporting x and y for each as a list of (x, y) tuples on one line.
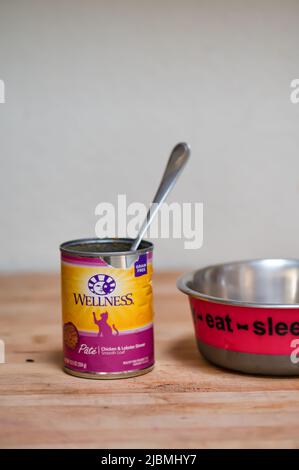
[(97, 93)]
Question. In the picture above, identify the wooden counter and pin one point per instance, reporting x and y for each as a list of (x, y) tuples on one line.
[(185, 402)]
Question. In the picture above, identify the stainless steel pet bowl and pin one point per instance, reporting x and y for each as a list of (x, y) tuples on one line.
[(246, 314)]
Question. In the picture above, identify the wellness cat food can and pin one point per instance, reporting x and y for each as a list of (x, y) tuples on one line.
[(107, 308)]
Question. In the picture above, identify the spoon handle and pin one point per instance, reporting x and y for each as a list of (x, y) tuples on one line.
[(177, 160)]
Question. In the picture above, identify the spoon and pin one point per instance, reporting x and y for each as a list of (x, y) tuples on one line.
[(177, 160)]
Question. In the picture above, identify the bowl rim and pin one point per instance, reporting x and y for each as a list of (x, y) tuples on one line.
[(185, 279)]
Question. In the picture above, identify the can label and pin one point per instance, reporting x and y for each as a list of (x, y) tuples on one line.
[(246, 329), (107, 315)]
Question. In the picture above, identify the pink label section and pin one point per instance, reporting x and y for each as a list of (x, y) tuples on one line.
[(246, 329), (83, 261), (119, 353)]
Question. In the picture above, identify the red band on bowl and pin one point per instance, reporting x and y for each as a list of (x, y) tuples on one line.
[(246, 329)]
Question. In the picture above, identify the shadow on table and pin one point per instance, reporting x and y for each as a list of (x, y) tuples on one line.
[(184, 349), (56, 357)]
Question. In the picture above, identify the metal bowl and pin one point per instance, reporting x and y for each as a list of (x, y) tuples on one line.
[(246, 314)]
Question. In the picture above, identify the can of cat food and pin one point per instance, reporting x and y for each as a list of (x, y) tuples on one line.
[(107, 309)]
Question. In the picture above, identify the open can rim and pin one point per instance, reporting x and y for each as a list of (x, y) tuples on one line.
[(68, 247)]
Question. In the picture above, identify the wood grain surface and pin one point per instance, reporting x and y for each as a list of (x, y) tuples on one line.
[(184, 402)]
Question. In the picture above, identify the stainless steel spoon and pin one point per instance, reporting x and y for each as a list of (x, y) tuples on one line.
[(177, 160)]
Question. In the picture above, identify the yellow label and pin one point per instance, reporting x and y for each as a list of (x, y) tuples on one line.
[(96, 298)]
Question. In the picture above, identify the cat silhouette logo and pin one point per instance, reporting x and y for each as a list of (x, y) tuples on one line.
[(104, 328), (101, 284)]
